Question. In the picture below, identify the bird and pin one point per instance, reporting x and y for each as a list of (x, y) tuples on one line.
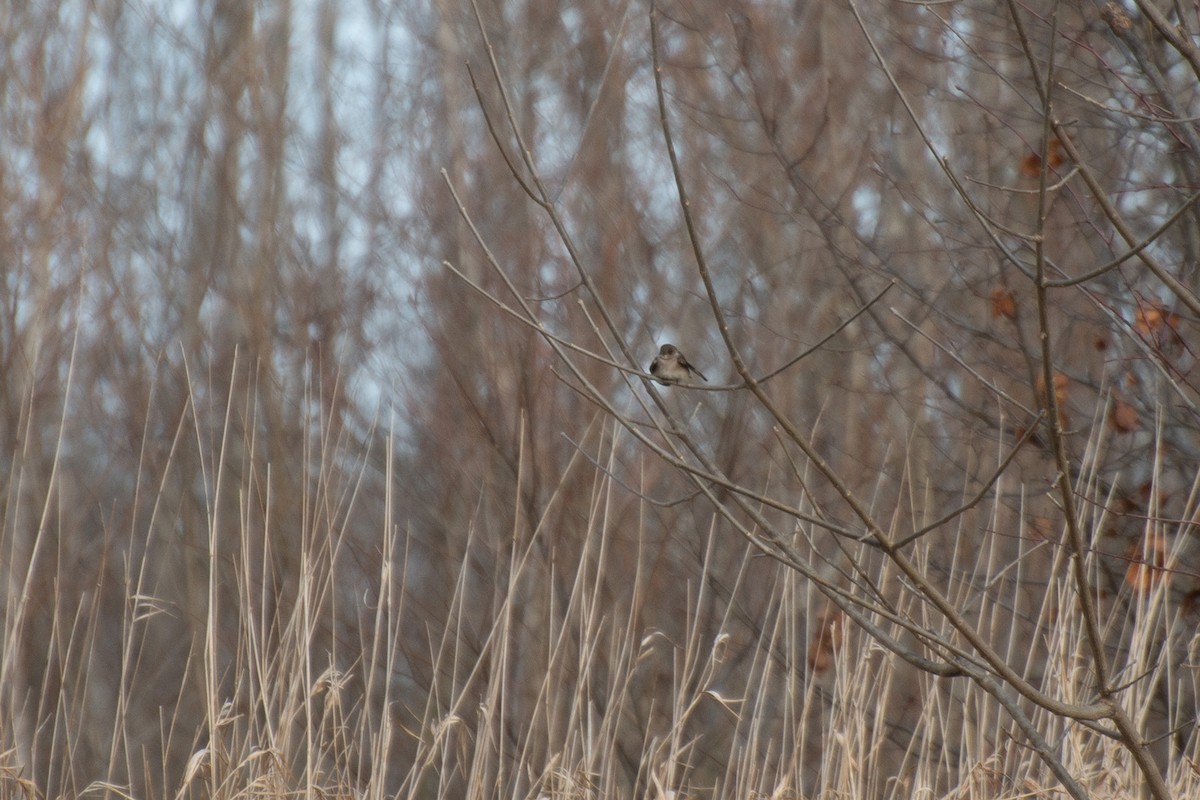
[(671, 366)]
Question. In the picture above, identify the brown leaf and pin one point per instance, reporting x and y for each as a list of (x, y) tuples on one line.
[(1004, 303), (1031, 165), (825, 641), (1041, 529), (1147, 565), (1061, 383), (1156, 322), (1060, 387), (1055, 159), (1147, 319), (1123, 417)]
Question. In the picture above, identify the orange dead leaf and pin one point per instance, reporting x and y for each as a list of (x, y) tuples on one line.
[(1147, 566), (1041, 529), (1004, 303), (1055, 157), (1125, 504), (1031, 165), (1060, 388), (1149, 319), (1123, 417), (825, 641), (1154, 321), (1061, 382), (1060, 385), (1148, 493)]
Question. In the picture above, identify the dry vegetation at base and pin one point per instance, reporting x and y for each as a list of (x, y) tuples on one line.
[(330, 467), (553, 668)]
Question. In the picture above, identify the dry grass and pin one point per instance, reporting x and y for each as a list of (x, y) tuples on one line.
[(281, 688)]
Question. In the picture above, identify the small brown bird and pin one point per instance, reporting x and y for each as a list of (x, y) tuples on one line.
[(670, 366)]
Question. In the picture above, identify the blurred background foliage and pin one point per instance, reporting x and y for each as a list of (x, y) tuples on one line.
[(236, 368)]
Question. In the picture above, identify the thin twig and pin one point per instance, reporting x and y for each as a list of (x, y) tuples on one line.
[(825, 339), (1128, 254), (980, 495)]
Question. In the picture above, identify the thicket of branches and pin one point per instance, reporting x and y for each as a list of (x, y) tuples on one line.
[(332, 464)]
